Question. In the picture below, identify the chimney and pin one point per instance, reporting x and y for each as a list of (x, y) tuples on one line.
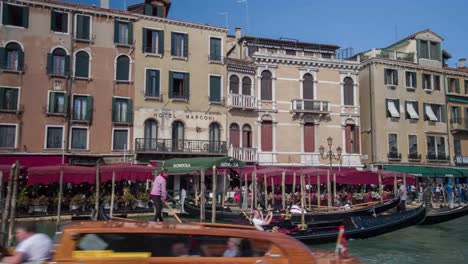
[(105, 4), (238, 33), (461, 63)]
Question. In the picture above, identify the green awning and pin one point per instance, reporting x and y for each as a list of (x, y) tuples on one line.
[(457, 99), (189, 165), (463, 171), (424, 171)]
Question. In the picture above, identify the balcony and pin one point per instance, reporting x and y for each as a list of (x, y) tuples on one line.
[(461, 160), (144, 145), (414, 157), (459, 125), (244, 154), (394, 55), (433, 157), (394, 156), (310, 106), (242, 101)]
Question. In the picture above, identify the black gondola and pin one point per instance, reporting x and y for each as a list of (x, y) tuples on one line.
[(360, 227), (435, 216), (227, 215)]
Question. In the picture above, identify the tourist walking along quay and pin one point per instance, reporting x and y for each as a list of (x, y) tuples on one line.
[(198, 125)]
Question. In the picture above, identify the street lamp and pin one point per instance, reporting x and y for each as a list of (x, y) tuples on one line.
[(330, 155)]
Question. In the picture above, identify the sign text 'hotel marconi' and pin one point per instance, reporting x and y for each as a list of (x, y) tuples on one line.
[(186, 116)]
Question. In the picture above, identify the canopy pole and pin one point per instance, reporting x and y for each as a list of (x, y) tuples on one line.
[(303, 205), (380, 188), (98, 183), (6, 209), (294, 186), (328, 191), (13, 203), (59, 206), (265, 190), (283, 189), (310, 202), (334, 187), (113, 194), (202, 196), (254, 191), (395, 185), (224, 188), (246, 194), (318, 191), (241, 193), (404, 180), (196, 184), (213, 200), (252, 199), (272, 192)]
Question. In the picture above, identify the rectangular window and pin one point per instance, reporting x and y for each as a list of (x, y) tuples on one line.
[(436, 148), (290, 52), (455, 115), (393, 144), (120, 139), (179, 44), (123, 32), (83, 27), (215, 89), (309, 137), (59, 21), (431, 147), (9, 99), (413, 146), (82, 108), (57, 103), (152, 83), (391, 77), (411, 79), (7, 136), (457, 147), (79, 138), (179, 85), (352, 139), (122, 110), (153, 41), (466, 86), (453, 85), (423, 49), (436, 82), (393, 108), (435, 51), (54, 138), (412, 110), (267, 136), (14, 15), (440, 144), (215, 49), (426, 82)]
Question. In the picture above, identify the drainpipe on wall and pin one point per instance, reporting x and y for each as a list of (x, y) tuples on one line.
[(371, 114), (447, 119), (69, 84)]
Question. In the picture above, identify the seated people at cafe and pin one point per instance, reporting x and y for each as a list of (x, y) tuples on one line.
[(232, 247), (32, 246), (259, 221)]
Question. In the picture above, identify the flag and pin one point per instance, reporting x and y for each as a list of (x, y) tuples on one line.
[(341, 243)]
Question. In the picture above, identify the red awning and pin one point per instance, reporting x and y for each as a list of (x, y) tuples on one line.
[(5, 169), (127, 172), (32, 160), (51, 174)]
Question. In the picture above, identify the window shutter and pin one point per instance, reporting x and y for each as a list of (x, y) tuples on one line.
[(443, 114), (5, 13), (158, 89), (173, 44), (51, 102), (145, 40), (79, 27), (386, 107), (129, 111), (52, 20), (457, 85), (86, 29), (3, 63), (161, 42), (159, 11), (148, 10), (15, 98), (406, 110), (186, 45), (25, 17), (116, 31), (67, 65), (20, 60), (148, 83), (171, 83), (2, 97), (130, 33), (395, 77), (49, 63), (309, 140), (89, 108), (114, 110), (65, 22), (416, 107), (439, 52), (386, 79), (267, 136), (348, 138), (65, 103), (187, 86), (357, 144), (418, 47), (424, 111), (215, 89)]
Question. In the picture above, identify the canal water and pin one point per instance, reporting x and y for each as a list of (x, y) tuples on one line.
[(445, 243)]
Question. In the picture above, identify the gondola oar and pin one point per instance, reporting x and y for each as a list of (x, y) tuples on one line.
[(173, 213)]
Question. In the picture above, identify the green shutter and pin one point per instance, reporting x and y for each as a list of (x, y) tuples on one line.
[(116, 31), (114, 110), (406, 110), (65, 103), (386, 107), (15, 98), (145, 39), (89, 108), (86, 29), (2, 97), (51, 102), (3, 63), (148, 10), (20, 60), (129, 111), (424, 111), (52, 20), (171, 83), (186, 45), (443, 114), (416, 107), (25, 22), (187, 86), (148, 83), (397, 105), (457, 85), (215, 89), (130, 33), (439, 52), (161, 42), (418, 47), (5, 13), (173, 44), (79, 27), (123, 67), (49, 63), (67, 65), (158, 79), (159, 11)]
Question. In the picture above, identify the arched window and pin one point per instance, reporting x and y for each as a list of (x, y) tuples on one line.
[(234, 135), (122, 71), (13, 59), (151, 134), (82, 64), (234, 84), (58, 62), (178, 135), (247, 136), (246, 86), (348, 90), (266, 86), (214, 138), (308, 87)]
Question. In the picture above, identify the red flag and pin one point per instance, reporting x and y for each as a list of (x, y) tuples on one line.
[(341, 243)]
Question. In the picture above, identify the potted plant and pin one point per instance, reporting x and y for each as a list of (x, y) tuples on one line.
[(142, 200), (39, 204), (107, 201), (23, 200), (77, 202), (358, 198), (128, 199)]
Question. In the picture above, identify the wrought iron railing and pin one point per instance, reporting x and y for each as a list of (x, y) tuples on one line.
[(310, 106), (180, 146), (461, 160), (244, 154), (394, 156), (414, 156), (437, 157), (242, 101), (459, 123)]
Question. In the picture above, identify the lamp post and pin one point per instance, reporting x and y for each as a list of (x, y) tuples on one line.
[(330, 155)]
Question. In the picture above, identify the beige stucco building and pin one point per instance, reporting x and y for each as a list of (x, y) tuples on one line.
[(285, 98)]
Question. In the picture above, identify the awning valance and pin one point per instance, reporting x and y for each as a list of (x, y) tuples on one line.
[(424, 171), (190, 165)]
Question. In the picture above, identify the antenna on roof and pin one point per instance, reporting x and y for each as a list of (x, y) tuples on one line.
[(246, 13), (226, 15), (396, 32)]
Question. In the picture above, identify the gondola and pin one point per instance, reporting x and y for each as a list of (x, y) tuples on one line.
[(226, 214), (360, 227), (435, 216)]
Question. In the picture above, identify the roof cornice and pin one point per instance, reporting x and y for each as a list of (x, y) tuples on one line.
[(306, 62), (183, 23)]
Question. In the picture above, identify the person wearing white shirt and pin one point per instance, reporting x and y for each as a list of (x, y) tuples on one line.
[(258, 220)]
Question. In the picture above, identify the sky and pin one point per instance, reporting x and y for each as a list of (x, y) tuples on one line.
[(357, 24)]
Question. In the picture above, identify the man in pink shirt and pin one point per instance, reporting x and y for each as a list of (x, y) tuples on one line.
[(159, 194)]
